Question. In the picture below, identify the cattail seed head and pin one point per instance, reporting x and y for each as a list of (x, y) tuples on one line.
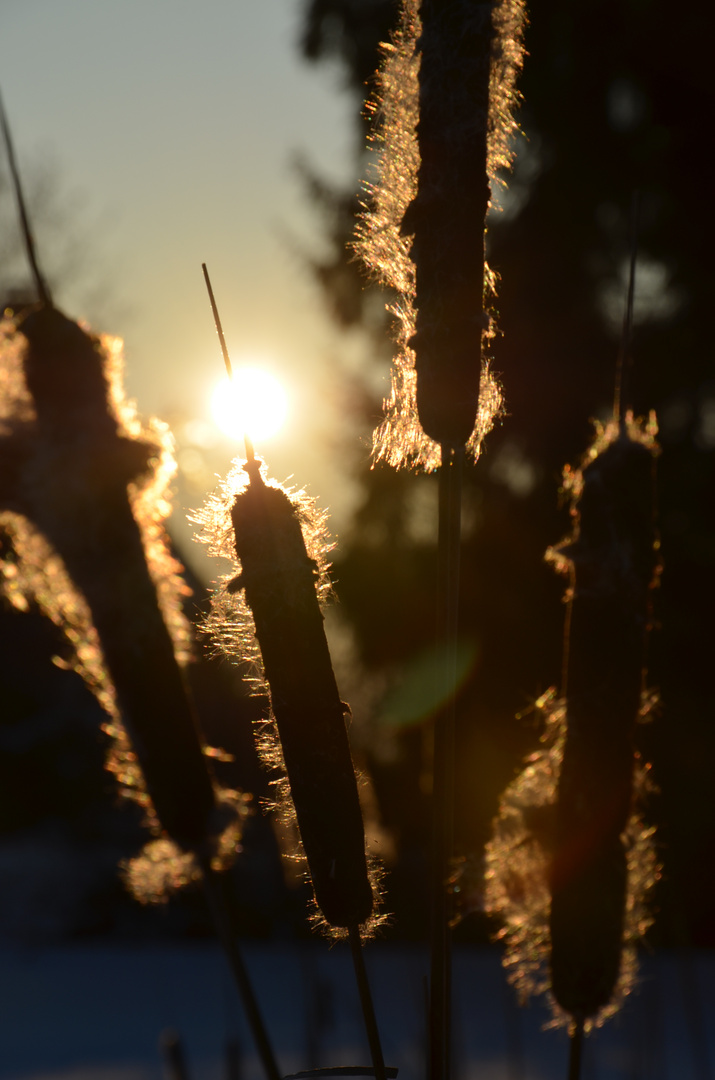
[(446, 217), (570, 837), (85, 510), (282, 574), (445, 97), (518, 885), (611, 562), (85, 485)]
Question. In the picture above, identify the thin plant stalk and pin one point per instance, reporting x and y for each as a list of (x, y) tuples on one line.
[(232, 1057), (450, 498), (40, 283), (623, 366), (576, 1050), (221, 915), (366, 1003), (172, 1051), (250, 454)]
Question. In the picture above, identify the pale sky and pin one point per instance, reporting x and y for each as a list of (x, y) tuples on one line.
[(163, 131)]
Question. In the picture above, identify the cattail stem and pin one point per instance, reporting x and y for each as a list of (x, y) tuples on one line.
[(232, 1058), (250, 454), (217, 320), (40, 283), (576, 1050), (450, 495), (173, 1053), (221, 915), (366, 1002), (624, 355)]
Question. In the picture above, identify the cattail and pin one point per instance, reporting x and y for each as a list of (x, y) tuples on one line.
[(279, 541), (84, 501), (571, 861), (445, 96), (444, 99), (611, 562), (89, 490), (85, 484)]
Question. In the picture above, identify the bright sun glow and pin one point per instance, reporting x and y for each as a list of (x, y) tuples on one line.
[(254, 403)]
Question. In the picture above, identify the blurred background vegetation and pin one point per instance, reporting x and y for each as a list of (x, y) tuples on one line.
[(616, 98)]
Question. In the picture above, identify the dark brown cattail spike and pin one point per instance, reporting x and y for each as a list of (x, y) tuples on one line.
[(280, 585), (446, 218), (443, 103), (612, 561), (42, 290), (279, 579), (87, 516)]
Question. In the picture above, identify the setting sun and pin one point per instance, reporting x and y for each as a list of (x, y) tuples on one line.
[(253, 403)]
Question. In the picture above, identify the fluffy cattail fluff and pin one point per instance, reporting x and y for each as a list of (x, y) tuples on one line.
[(280, 544), (571, 861), (444, 100), (83, 501)]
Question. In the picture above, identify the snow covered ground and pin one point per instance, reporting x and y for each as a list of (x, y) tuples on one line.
[(98, 1011)]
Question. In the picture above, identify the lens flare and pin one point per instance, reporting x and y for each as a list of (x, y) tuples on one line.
[(254, 403)]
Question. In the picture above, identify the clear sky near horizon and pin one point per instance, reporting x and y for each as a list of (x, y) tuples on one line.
[(154, 135)]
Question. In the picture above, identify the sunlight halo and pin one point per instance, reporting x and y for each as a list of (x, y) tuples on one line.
[(253, 403)]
